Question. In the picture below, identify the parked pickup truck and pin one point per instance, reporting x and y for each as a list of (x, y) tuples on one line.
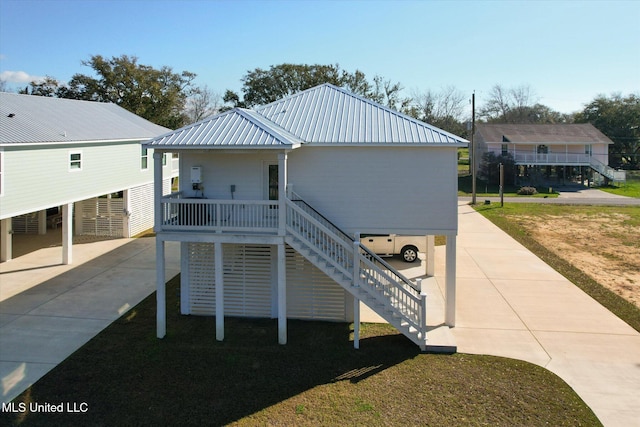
[(392, 244)]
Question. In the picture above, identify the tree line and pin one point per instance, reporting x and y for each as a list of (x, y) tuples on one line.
[(172, 99)]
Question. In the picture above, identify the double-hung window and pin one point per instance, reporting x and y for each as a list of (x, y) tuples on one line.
[(144, 159), (75, 161)]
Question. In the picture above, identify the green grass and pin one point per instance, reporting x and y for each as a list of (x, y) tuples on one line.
[(631, 188), (507, 219), (493, 190), (128, 377)]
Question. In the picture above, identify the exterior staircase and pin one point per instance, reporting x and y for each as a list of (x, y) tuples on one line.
[(358, 270), (607, 171)]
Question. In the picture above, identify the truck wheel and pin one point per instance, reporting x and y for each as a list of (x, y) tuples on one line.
[(409, 253)]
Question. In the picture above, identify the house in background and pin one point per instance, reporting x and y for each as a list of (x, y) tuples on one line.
[(77, 165), (551, 153), (272, 203)]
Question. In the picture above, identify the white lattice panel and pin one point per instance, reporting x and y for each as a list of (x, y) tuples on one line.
[(247, 280), (202, 291), (103, 217), (25, 224)]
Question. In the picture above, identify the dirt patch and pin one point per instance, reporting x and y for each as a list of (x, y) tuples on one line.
[(606, 247)]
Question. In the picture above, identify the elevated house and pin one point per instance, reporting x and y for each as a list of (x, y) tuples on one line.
[(272, 202), (551, 153), (76, 166)]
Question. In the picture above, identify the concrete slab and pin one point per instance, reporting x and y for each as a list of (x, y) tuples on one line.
[(49, 311)]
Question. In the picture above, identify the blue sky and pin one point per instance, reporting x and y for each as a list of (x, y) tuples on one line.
[(567, 51)]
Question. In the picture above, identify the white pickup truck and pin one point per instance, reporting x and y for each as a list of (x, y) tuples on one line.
[(392, 244)]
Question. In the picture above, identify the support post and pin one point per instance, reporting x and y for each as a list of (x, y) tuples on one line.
[(67, 233), (42, 222), (161, 291), (282, 295), (356, 323), (430, 267), (282, 194), (6, 240), (219, 278), (450, 281), (157, 191)]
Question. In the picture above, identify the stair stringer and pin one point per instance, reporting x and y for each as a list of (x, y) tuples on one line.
[(381, 306)]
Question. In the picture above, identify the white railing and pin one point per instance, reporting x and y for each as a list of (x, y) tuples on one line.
[(255, 216), (326, 243), (551, 158), (608, 171), (388, 287)]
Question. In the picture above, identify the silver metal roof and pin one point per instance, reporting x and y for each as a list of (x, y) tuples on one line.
[(329, 114), (38, 119), (325, 114), (234, 128)]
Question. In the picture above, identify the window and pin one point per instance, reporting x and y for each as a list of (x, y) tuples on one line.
[(75, 161), (587, 149), (505, 149), (144, 159)]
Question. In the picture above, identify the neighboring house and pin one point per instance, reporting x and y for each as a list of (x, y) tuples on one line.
[(547, 153), (272, 203), (77, 165)]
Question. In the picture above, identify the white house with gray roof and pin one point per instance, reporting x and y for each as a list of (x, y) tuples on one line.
[(550, 153), (77, 165), (272, 202)]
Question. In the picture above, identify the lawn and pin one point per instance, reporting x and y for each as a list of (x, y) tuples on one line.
[(493, 190), (630, 188), (595, 247), (128, 377)]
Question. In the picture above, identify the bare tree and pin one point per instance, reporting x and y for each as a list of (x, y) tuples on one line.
[(444, 109), (202, 104), (513, 105)]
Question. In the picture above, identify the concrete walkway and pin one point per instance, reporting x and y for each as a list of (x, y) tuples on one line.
[(510, 303), (49, 310)]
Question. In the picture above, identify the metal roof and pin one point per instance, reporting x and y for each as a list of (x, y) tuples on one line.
[(583, 133), (328, 114), (234, 128), (38, 119), (325, 114)]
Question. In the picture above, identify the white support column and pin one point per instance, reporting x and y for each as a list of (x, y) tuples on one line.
[(42, 222), (6, 240), (450, 281), (282, 193), (356, 323), (430, 267), (157, 191), (67, 233), (282, 295), (161, 291), (126, 215), (219, 278)]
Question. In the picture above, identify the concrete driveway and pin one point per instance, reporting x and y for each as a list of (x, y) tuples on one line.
[(511, 304), (49, 310)]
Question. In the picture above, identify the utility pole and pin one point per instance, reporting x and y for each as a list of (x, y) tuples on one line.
[(473, 149)]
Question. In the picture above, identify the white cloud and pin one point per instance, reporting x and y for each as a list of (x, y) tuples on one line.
[(18, 77)]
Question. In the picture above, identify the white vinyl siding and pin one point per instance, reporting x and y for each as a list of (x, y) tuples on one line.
[(141, 206), (36, 178), (415, 191), (1, 173)]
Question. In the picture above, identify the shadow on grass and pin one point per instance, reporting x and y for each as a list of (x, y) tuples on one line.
[(126, 376)]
